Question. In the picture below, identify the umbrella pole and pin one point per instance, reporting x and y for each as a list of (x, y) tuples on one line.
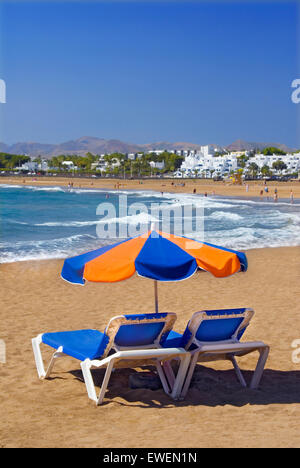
[(156, 296)]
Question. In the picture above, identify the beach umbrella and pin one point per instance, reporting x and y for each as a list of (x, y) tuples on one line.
[(155, 255)]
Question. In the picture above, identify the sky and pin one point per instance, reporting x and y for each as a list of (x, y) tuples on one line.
[(151, 71)]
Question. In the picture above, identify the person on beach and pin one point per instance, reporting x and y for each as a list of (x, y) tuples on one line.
[(266, 189), (275, 197), (261, 193), (292, 196)]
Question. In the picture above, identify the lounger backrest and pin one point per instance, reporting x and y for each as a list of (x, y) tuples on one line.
[(216, 325), (139, 330)]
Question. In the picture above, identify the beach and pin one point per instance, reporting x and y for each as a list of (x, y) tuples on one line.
[(201, 186), (217, 412), (129, 131)]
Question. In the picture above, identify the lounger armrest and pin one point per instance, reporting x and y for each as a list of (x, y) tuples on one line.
[(162, 354), (224, 347)]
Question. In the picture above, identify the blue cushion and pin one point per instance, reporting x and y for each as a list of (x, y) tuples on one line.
[(176, 340), (217, 330), (173, 340), (80, 344), (139, 334), (220, 329), (209, 330)]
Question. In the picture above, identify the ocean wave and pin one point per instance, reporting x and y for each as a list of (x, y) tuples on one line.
[(234, 223), (226, 215), (50, 248), (241, 201), (67, 223), (47, 242), (245, 238), (44, 189)]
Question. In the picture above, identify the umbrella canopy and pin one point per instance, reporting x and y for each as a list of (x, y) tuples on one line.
[(155, 255)]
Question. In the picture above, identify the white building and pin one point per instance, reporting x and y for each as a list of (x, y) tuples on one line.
[(204, 164), (157, 165), (43, 166), (292, 161), (157, 152), (29, 166), (131, 156), (208, 165), (208, 150), (69, 165)]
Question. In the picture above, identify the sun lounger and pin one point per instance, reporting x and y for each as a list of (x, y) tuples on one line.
[(131, 339), (213, 335)]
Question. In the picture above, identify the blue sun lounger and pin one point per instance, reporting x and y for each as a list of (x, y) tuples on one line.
[(133, 339), (213, 335)]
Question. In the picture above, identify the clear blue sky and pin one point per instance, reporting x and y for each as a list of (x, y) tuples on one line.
[(149, 71)]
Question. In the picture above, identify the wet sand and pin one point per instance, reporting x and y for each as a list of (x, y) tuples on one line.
[(165, 185)]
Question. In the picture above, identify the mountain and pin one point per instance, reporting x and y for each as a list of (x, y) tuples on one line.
[(95, 145), (241, 145), (90, 144), (81, 146), (170, 146), (31, 148), (3, 148)]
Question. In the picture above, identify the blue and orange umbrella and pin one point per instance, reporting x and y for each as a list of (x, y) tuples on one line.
[(155, 255)]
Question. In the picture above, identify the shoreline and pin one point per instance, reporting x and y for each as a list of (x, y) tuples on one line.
[(62, 259), (134, 190), (171, 186)]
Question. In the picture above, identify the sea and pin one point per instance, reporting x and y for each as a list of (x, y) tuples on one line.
[(57, 222)]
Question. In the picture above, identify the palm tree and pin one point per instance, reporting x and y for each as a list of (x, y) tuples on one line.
[(266, 171), (253, 169)]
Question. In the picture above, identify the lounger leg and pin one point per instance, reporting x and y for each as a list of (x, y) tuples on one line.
[(184, 364), (55, 356), (88, 379), (238, 371), (169, 373), (189, 375), (38, 356), (162, 377), (263, 356), (105, 382)]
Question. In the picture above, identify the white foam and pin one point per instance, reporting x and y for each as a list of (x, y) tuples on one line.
[(226, 215), (68, 223)]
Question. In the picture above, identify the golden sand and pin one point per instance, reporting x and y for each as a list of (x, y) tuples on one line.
[(165, 185), (217, 412)]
